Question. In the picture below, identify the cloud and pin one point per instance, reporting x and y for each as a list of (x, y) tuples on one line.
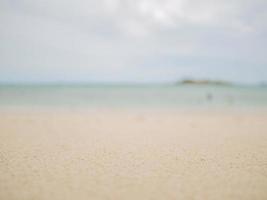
[(121, 39)]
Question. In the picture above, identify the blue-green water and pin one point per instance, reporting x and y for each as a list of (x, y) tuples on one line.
[(123, 96)]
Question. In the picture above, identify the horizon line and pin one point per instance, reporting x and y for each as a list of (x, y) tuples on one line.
[(121, 83)]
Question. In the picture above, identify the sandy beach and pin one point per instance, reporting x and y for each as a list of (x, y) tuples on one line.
[(133, 155)]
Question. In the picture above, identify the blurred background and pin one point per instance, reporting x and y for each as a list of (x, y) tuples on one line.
[(121, 52)]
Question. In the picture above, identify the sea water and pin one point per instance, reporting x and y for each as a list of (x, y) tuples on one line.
[(133, 96)]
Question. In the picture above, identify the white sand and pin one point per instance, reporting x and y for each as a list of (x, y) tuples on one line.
[(133, 155)]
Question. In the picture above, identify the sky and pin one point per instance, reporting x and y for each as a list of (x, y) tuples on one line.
[(142, 41)]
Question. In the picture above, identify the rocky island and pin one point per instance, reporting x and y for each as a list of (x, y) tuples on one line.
[(203, 82)]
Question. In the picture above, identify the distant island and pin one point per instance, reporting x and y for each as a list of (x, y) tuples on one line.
[(203, 82)]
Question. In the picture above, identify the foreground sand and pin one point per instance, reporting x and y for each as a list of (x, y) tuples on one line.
[(133, 155)]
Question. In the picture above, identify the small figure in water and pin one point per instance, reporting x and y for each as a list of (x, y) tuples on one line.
[(209, 96)]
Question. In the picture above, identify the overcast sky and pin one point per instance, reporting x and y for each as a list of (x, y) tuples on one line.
[(132, 40)]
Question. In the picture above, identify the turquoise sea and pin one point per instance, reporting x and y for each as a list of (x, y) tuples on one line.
[(133, 96)]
